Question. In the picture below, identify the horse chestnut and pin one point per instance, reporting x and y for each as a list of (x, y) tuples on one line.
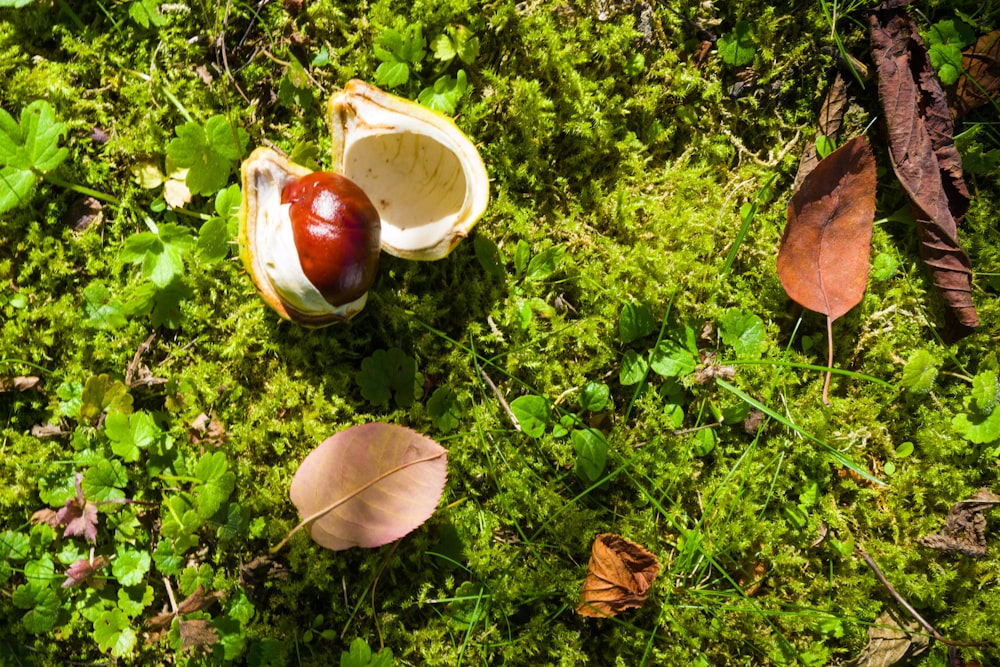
[(337, 232)]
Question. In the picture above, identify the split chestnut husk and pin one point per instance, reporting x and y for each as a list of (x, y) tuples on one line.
[(310, 240)]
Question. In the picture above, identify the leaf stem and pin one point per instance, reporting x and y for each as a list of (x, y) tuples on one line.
[(55, 180), (829, 362)]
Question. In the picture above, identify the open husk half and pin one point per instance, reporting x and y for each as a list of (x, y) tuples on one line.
[(268, 249), (421, 172)]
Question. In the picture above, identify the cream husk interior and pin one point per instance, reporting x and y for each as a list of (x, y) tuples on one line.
[(424, 176), (271, 244)]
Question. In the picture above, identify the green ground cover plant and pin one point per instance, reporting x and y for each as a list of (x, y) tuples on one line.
[(611, 351)]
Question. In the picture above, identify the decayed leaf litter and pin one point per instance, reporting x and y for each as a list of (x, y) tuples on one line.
[(924, 157), (927, 163)]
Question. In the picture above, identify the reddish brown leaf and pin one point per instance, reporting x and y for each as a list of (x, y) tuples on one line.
[(924, 157), (79, 515), (618, 578), (823, 258), (981, 80)]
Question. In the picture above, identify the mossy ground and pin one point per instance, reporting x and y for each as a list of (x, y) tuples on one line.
[(605, 136)]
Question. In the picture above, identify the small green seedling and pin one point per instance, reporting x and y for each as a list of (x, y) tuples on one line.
[(456, 41), (146, 13), (444, 409), (28, 150), (745, 332), (536, 416), (360, 655), (401, 52), (901, 452), (296, 88), (945, 41), (920, 372), (980, 423), (444, 95), (390, 374)]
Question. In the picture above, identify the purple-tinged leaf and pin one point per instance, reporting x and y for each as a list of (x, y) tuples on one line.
[(368, 485), (82, 570)]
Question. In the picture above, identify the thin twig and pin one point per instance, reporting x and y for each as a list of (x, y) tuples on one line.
[(133, 367), (695, 429), (906, 605), (503, 403), (170, 594)]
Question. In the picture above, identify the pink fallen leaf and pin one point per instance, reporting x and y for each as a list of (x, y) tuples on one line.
[(79, 515), (82, 570), (368, 485)]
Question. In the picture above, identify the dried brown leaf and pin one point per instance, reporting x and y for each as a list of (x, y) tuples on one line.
[(831, 116), (196, 633), (205, 429), (924, 157), (981, 79), (823, 258), (965, 527), (82, 570), (46, 431), (46, 516), (19, 383), (891, 642), (619, 576), (197, 601)]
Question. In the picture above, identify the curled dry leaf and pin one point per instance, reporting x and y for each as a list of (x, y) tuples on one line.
[(823, 258), (368, 485), (965, 527), (831, 117), (891, 641), (924, 157), (618, 577), (19, 383)]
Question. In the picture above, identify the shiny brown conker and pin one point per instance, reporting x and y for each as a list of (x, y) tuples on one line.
[(337, 233)]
